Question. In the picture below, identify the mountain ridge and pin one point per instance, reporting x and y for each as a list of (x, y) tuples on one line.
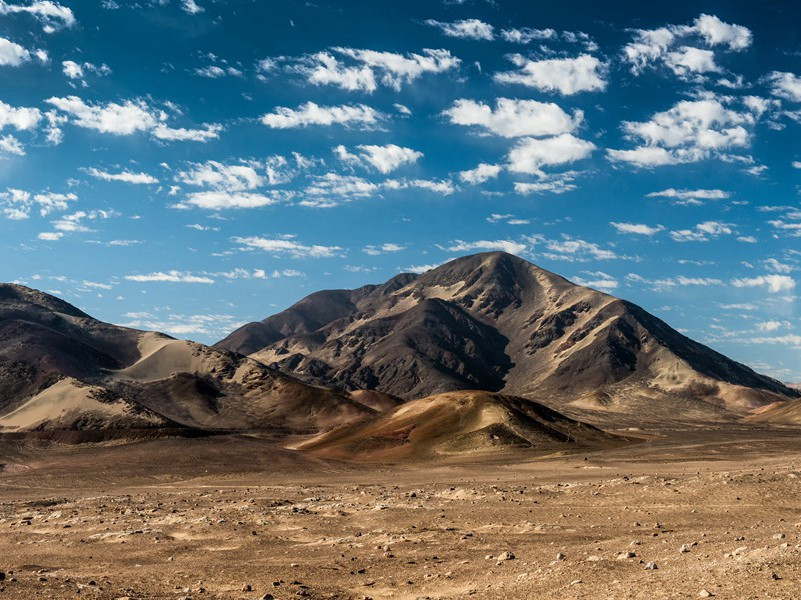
[(522, 330)]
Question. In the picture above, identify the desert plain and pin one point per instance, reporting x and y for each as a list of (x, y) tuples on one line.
[(686, 512)]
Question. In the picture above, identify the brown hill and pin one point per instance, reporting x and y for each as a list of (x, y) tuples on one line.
[(496, 322), (458, 424), (62, 369)]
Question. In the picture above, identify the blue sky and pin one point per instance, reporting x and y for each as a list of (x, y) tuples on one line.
[(189, 166)]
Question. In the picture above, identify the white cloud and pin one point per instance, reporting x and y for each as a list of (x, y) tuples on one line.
[(702, 232), (776, 266), (124, 176), (487, 245), (687, 60), (220, 176), (675, 46), (384, 159), (566, 76), (690, 131), (785, 85), (774, 283), (17, 204), (771, 325), (191, 7), (717, 32), (314, 114), (21, 119), (598, 280), (529, 155), (483, 172), (383, 249), (169, 277), (74, 70), (371, 67), (514, 118), (132, 116), (11, 145), (288, 245), (181, 134), (572, 250), (526, 35), (637, 228), (332, 189), (51, 14), (444, 186), (50, 236), (216, 72), (471, 29), (13, 55), (690, 197), (222, 200), (551, 183)]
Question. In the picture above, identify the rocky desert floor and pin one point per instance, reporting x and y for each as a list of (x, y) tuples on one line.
[(696, 513)]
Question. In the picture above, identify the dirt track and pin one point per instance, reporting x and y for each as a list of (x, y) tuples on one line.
[(715, 510)]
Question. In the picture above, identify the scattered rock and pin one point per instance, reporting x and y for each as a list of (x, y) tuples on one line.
[(560, 556), (626, 555), (705, 594), (505, 556), (651, 566)]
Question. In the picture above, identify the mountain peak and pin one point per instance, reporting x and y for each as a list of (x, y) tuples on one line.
[(495, 321)]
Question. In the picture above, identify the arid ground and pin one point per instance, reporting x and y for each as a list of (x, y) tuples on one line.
[(692, 513)]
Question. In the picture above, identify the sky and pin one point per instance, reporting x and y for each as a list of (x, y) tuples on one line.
[(192, 165)]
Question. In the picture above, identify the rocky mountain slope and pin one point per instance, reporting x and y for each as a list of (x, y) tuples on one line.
[(458, 424), (62, 369), (496, 322)]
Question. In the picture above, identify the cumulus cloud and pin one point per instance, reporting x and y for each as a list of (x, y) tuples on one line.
[(388, 247), (350, 115), (598, 280), (487, 245), (702, 232), (50, 14), (471, 29), (169, 277), (191, 7), (785, 85), (690, 197), (637, 228), (567, 76), (287, 245), (332, 189), (221, 176), (17, 204), (677, 46), (363, 70), (124, 176), (442, 186), (529, 155), (572, 249), (483, 172), (14, 55), (78, 71), (690, 131), (774, 283), (548, 183), (222, 200), (514, 118), (384, 159), (127, 118)]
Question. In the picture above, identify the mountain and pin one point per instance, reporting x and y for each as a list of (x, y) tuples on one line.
[(496, 322), (60, 369), (458, 424)]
